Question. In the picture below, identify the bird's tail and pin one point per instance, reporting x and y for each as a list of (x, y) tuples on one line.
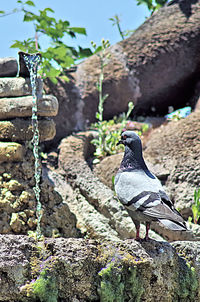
[(174, 225)]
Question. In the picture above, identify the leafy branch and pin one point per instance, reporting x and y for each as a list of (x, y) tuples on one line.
[(152, 5), (58, 57)]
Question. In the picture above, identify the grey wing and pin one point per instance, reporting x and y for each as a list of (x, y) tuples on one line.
[(138, 192), (136, 189), (159, 207)]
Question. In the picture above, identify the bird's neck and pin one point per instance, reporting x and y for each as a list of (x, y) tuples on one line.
[(133, 160)]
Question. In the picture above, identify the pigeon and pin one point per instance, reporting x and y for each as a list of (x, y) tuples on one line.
[(141, 192)]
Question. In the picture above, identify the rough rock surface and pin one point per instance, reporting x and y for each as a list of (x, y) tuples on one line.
[(18, 204), (8, 67), (175, 146), (11, 152), (11, 87), (85, 270), (149, 68), (22, 107), (17, 130)]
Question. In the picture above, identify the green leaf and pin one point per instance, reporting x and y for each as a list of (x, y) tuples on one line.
[(97, 115), (105, 97), (48, 9), (78, 30), (98, 49), (30, 3), (96, 161), (2, 12), (28, 16), (65, 78), (95, 141), (84, 52)]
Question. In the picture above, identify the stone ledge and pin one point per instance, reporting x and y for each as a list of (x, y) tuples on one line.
[(76, 269), (22, 107), (19, 130), (10, 87), (11, 152)]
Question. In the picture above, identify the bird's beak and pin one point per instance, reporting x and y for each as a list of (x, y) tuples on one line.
[(120, 142)]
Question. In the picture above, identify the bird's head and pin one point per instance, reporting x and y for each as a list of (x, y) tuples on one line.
[(130, 139)]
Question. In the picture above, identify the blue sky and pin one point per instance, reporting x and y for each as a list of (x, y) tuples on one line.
[(92, 14)]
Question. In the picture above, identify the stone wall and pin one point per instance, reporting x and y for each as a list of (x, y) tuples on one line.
[(17, 198)]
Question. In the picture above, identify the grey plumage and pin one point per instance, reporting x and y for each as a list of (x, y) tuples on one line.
[(141, 192)]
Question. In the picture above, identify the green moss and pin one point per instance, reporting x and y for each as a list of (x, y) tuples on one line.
[(134, 285), (45, 287), (111, 285), (119, 279), (188, 283)]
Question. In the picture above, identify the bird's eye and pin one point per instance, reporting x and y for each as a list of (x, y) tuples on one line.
[(125, 137)]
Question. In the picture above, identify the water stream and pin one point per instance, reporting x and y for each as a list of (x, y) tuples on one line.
[(32, 61)]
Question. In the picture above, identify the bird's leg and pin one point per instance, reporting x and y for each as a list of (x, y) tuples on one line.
[(138, 232), (147, 231)]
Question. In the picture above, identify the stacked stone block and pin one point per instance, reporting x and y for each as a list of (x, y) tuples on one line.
[(17, 198)]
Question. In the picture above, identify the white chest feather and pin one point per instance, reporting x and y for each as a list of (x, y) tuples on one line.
[(130, 184)]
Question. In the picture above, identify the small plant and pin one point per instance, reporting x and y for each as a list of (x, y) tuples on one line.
[(116, 21), (196, 206), (106, 141)]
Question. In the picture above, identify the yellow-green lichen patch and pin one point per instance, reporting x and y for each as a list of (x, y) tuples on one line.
[(14, 185), (186, 280), (44, 285), (134, 287), (111, 284), (119, 278), (17, 222), (11, 152)]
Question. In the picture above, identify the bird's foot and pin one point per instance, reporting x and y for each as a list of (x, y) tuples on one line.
[(138, 239), (146, 239)]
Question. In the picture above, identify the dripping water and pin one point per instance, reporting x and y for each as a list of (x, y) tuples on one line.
[(32, 61)]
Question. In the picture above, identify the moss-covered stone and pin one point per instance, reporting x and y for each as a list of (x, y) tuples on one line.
[(11, 152), (18, 204)]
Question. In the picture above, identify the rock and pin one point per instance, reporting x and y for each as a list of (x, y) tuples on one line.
[(22, 107), (11, 152), (89, 220), (69, 118), (18, 202), (175, 146), (107, 169), (8, 67), (13, 87), (18, 130), (86, 270), (197, 107), (149, 68)]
